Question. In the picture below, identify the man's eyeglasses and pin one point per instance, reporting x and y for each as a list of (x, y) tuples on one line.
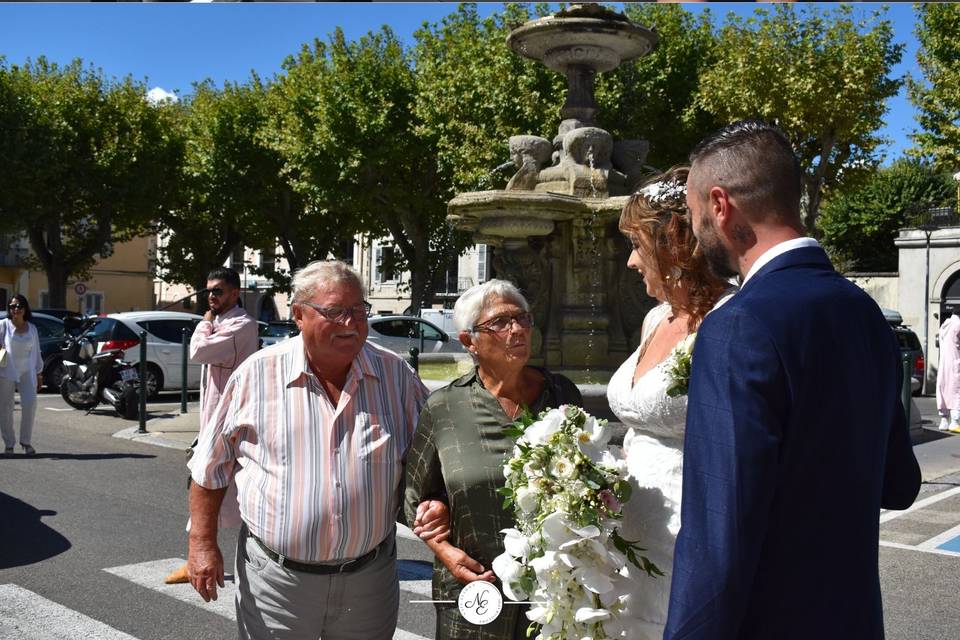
[(501, 324), (216, 292), (340, 315)]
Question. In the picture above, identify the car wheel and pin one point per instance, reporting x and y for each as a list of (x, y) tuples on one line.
[(154, 381)]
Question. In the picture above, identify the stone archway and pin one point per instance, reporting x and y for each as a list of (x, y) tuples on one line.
[(950, 296)]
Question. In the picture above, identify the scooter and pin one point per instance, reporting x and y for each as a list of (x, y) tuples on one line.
[(92, 378)]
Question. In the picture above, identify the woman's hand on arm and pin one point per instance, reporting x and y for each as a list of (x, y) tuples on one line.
[(432, 521), (464, 568)]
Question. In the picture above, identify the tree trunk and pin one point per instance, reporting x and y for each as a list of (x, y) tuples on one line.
[(56, 271)]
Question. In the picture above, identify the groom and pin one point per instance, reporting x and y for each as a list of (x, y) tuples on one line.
[(795, 434)]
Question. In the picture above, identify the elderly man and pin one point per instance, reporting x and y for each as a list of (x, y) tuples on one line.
[(320, 427), (226, 337)]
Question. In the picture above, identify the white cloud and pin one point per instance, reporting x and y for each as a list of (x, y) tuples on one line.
[(158, 95)]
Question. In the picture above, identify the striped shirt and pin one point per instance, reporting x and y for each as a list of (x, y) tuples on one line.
[(317, 482)]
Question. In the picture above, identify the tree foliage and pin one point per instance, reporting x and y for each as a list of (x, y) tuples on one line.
[(84, 162), (655, 97), (859, 227), (823, 76), (938, 97)]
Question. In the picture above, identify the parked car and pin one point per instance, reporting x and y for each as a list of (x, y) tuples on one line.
[(50, 331), (164, 340), (277, 331), (60, 313), (401, 333), (910, 345)]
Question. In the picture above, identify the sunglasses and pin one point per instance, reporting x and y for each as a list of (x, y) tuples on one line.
[(216, 292), (15, 307)]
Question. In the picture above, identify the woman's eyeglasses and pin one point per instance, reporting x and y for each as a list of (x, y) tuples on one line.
[(14, 307), (502, 324)]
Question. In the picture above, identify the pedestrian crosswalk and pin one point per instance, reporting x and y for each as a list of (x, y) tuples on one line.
[(25, 615), (929, 525)]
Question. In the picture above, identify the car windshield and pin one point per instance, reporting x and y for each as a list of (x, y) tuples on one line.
[(908, 340), (279, 330)]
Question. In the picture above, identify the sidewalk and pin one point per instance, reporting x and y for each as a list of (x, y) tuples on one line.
[(937, 452)]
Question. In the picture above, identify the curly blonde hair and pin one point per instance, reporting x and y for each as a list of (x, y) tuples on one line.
[(656, 222)]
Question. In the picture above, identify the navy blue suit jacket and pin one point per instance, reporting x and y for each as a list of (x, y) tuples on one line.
[(795, 438)]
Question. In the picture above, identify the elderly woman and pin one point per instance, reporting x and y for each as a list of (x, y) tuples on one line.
[(459, 449)]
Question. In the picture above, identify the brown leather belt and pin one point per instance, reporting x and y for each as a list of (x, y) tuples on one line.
[(324, 569)]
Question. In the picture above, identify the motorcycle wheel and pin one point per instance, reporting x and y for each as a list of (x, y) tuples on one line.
[(129, 404), (69, 394)]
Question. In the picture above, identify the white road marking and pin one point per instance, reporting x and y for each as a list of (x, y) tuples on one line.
[(907, 547), (59, 410), (151, 574), (938, 540), (403, 531), (887, 516), (25, 615)]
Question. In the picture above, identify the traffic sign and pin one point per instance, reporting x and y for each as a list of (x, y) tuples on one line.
[(80, 288)]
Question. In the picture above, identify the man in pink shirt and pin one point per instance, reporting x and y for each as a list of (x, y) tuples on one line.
[(226, 337)]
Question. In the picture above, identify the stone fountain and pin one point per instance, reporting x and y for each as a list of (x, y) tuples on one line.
[(554, 226)]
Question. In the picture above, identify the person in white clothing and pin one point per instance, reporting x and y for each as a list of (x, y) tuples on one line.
[(226, 337), (21, 367), (948, 375), (664, 251)]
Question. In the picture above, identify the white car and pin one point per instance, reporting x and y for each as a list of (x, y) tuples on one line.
[(164, 343), (401, 333)]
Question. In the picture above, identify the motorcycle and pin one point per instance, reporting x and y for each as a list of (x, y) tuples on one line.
[(92, 378)]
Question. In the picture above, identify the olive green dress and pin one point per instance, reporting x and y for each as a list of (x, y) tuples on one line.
[(457, 455)]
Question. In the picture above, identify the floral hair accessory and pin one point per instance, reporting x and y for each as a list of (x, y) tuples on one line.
[(661, 191)]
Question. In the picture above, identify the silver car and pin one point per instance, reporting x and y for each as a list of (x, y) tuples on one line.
[(402, 333)]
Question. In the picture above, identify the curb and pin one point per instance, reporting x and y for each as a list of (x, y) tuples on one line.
[(151, 437)]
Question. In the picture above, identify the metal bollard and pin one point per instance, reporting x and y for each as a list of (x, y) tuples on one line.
[(185, 346), (143, 382), (415, 359), (907, 391)]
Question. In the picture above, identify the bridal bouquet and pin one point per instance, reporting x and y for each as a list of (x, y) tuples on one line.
[(566, 556)]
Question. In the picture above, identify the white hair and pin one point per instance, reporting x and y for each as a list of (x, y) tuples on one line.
[(320, 274), (472, 301)]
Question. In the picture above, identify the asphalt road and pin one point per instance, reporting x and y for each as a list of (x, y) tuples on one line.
[(89, 527)]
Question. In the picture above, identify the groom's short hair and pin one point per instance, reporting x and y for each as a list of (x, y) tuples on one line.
[(754, 162)]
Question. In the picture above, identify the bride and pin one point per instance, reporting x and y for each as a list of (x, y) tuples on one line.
[(664, 251)]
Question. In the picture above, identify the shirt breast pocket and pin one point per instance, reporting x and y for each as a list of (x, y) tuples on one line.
[(375, 443)]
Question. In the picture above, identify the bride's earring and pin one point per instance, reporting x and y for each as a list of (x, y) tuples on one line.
[(675, 275)]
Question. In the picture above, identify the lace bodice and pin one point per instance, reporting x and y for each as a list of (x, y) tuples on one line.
[(645, 406)]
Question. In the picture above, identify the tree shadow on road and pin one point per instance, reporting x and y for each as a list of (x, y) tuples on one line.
[(26, 539)]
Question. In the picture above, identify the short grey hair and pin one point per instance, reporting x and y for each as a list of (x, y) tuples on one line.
[(320, 274), (472, 301)]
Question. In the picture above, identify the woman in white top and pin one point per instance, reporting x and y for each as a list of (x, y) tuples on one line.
[(21, 369), (664, 251)]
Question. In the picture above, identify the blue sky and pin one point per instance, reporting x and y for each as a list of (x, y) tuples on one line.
[(171, 45)]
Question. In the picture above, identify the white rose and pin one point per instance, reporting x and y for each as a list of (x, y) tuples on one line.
[(526, 499), (564, 468)]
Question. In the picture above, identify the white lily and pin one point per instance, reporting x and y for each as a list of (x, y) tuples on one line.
[(509, 571), (586, 615), (515, 543), (540, 431)]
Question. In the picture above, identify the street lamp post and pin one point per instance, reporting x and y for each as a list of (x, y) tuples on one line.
[(928, 228)]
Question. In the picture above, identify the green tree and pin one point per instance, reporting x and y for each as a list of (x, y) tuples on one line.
[(655, 97), (859, 227), (350, 146), (85, 162), (227, 178), (473, 93), (823, 76), (938, 98)]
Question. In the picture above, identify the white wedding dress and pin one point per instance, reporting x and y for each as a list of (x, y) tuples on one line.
[(653, 448)]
